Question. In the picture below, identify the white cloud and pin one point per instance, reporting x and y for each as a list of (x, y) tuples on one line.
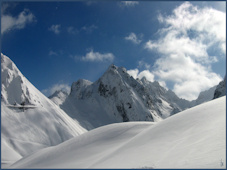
[(56, 87), (145, 73), (72, 30), (134, 38), (97, 57), (133, 73), (128, 3), (89, 29), (189, 77), (55, 29), (143, 64), (9, 22), (184, 42)]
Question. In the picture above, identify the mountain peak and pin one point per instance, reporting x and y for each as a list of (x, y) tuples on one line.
[(115, 69), (58, 97), (16, 89), (112, 66), (58, 93), (79, 86), (221, 89)]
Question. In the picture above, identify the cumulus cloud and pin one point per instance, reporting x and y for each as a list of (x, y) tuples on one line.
[(184, 43), (55, 28), (57, 87), (134, 38), (9, 22), (97, 57), (145, 73), (128, 3)]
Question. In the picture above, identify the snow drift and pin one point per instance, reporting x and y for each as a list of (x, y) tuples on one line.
[(194, 138)]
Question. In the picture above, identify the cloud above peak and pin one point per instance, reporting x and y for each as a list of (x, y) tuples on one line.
[(136, 39), (92, 56), (9, 23), (56, 87), (145, 73), (189, 35)]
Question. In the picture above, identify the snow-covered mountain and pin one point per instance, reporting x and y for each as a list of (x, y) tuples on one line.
[(30, 121), (221, 89), (204, 96), (118, 97), (194, 138), (58, 97), (160, 93)]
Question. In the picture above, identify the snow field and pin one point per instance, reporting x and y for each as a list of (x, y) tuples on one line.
[(194, 138)]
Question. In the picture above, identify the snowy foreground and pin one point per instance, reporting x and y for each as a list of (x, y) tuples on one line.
[(194, 138)]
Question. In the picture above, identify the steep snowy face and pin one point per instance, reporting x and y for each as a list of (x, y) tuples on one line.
[(165, 102), (127, 96), (14, 90), (80, 89), (221, 89), (58, 97), (117, 97), (30, 121)]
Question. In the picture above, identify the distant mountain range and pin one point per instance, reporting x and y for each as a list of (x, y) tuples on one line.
[(118, 97)]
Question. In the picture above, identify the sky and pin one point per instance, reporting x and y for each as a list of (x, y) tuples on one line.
[(180, 44)]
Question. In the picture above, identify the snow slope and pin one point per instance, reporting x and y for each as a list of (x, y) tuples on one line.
[(30, 121), (194, 138)]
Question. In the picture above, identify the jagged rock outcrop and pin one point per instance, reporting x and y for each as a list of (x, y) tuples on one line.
[(221, 89)]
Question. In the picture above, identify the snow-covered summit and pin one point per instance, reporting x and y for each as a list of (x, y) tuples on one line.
[(58, 97), (78, 88), (118, 97), (14, 85)]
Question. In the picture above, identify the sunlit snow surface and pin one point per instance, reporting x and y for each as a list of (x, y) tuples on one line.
[(194, 138)]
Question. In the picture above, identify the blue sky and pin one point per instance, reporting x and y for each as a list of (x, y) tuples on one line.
[(180, 44)]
